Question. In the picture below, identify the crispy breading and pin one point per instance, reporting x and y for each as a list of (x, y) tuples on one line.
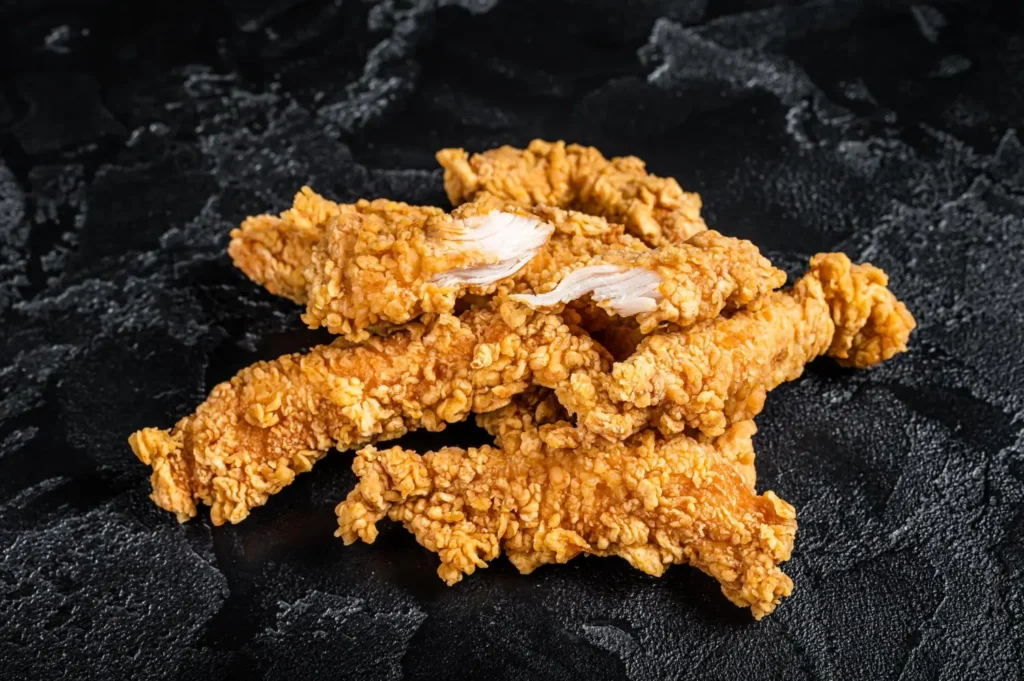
[(677, 285), (871, 324), (545, 173), (736, 444), (719, 371), (656, 209), (275, 419), (539, 406), (374, 264), (372, 270), (275, 251), (653, 208), (529, 409), (545, 497)]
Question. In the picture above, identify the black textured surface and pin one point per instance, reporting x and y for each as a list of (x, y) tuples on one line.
[(131, 145)]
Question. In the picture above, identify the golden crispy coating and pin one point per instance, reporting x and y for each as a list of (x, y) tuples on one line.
[(736, 444), (544, 497), (656, 209), (371, 263), (275, 419), (539, 406), (544, 173), (388, 268), (871, 324), (678, 285), (529, 409), (719, 372), (653, 208), (275, 251)]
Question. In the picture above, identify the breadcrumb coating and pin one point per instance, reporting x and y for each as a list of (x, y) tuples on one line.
[(719, 371), (678, 285), (653, 208), (275, 419), (373, 264), (531, 408), (539, 406), (388, 268), (871, 324), (544, 497), (736, 444), (275, 251), (656, 209)]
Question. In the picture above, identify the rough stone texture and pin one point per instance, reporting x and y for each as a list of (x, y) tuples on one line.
[(131, 142)]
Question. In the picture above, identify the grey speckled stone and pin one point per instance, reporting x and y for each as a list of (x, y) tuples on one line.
[(130, 144)]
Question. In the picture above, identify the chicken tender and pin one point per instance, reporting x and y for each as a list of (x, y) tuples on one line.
[(275, 419), (275, 251), (376, 264), (385, 269), (678, 285), (719, 371), (652, 208), (543, 497), (381, 263), (539, 406)]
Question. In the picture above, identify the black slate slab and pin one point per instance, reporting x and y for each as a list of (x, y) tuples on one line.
[(135, 136)]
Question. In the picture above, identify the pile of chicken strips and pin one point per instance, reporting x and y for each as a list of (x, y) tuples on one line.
[(579, 309)]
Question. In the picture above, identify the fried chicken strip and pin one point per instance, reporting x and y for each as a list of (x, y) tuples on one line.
[(719, 371), (385, 269), (543, 497), (539, 406), (379, 263), (382, 262), (653, 208), (274, 251), (678, 285), (275, 419), (530, 409)]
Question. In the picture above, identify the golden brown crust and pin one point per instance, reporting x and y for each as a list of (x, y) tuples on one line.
[(529, 409), (620, 336), (276, 419), (653, 208), (699, 280), (719, 371), (379, 269), (736, 444), (275, 251), (368, 265), (539, 406), (871, 324), (545, 498), (656, 209), (171, 478)]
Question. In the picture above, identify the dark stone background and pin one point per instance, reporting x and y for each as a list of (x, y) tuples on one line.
[(134, 137)]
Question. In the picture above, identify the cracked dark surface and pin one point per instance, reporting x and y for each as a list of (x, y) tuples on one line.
[(134, 138)]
